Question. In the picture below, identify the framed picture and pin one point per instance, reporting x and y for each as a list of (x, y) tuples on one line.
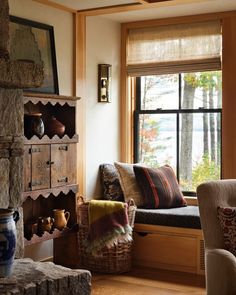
[(34, 42)]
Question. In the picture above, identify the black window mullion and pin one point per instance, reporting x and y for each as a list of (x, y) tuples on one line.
[(178, 130), (136, 119), (138, 93), (136, 136)]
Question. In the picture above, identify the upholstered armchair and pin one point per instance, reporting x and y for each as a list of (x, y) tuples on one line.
[(220, 263)]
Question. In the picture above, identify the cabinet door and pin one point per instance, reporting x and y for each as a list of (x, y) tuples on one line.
[(40, 178), (63, 168), (27, 168)]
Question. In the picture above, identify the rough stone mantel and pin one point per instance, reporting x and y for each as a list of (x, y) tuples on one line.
[(20, 74), (44, 278)]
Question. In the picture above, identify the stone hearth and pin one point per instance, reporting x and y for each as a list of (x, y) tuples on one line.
[(40, 278)]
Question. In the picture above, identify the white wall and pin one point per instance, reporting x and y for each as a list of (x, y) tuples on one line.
[(102, 119), (63, 31)]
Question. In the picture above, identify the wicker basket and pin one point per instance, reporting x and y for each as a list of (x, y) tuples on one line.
[(116, 259)]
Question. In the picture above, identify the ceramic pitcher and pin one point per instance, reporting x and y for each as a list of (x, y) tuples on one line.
[(7, 240), (45, 224), (60, 218)]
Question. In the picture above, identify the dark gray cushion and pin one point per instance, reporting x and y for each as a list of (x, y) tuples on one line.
[(110, 183), (187, 217)]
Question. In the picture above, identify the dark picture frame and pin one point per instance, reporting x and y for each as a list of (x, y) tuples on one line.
[(34, 42)]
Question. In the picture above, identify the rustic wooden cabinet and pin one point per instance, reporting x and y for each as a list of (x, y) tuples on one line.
[(49, 165), (50, 179)]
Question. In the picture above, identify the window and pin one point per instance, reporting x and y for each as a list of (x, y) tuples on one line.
[(177, 114), (178, 122)]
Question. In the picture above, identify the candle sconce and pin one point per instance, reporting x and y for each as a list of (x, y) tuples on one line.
[(104, 83)]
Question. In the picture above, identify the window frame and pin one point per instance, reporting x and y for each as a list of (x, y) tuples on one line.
[(138, 111)]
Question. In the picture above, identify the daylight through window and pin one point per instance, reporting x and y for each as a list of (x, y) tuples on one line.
[(178, 122)]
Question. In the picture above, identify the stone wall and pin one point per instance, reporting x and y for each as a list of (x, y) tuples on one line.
[(14, 75)]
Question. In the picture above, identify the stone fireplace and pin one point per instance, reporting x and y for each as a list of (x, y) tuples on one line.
[(15, 75), (29, 277)]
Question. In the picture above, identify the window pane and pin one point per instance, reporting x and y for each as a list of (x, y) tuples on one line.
[(160, 92), (201, 90), (157, 140), (200, 149)]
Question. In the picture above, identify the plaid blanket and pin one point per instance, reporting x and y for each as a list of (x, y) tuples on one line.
[(108, 224)]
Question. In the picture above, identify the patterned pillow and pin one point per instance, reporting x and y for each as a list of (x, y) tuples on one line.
[(128, 183), (110, 183), (227, 217), (159, 187)]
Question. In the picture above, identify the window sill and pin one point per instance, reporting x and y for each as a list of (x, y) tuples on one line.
[(191, 201)]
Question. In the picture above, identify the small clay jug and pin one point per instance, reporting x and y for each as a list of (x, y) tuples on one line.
[(61, 218), (33, 125), (55, 127), (30, 228), (45, 224)]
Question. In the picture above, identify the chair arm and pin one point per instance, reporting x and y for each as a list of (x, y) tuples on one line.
[(220, 272)]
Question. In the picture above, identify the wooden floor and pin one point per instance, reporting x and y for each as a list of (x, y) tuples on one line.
[(148, 282)]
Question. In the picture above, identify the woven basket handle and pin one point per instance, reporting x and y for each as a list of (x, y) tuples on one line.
[(131, 202), (81, 199)]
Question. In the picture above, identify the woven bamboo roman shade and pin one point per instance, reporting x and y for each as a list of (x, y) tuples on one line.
[(174, 48)]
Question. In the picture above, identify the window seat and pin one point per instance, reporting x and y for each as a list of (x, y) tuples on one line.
[(163, 238), (186, 217)]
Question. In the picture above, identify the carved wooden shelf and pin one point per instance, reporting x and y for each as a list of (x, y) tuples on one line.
[(52, 99), (47, 192), (48, 236), (55, 139)]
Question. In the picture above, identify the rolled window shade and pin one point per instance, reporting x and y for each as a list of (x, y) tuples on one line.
[(178, 45), (186, 66)]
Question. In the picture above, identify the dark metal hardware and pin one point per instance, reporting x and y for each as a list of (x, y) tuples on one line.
[(34, 150), (63, 179), (63, 148), (35, 182)]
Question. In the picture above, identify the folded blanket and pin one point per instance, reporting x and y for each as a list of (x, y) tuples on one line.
[(108, 224)]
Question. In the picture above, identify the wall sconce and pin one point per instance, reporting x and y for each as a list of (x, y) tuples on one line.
[(104, 83)]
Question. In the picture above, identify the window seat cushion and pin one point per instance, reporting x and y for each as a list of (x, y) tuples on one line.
[(187, 217)]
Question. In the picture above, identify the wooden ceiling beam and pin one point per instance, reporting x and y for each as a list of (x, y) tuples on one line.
[(151, 1), (56, 5), (110, 9), (135, 6), (139, 5), (143, 1)]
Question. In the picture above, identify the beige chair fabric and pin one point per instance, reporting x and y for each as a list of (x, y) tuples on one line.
[(220, 263)]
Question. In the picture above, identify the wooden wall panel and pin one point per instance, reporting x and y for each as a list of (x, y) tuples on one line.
[(229, 97), (79, 90)]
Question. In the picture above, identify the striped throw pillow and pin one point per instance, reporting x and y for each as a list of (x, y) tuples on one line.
[(159, 187)]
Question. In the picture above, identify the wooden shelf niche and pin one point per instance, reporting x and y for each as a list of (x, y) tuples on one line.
[(41, 206), (63, 108)]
